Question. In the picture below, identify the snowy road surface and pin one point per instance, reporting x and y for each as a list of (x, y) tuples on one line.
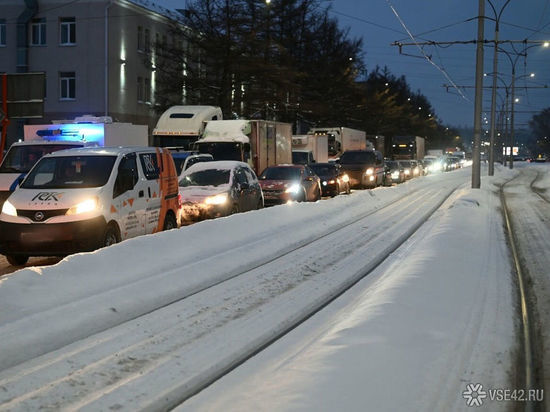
[(147, 323)]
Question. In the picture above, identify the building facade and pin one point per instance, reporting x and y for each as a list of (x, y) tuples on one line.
[(97, 56)]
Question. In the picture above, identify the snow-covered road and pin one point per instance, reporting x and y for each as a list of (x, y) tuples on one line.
[(147, 323)]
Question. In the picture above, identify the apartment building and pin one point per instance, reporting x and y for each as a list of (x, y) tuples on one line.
[(97, 55)]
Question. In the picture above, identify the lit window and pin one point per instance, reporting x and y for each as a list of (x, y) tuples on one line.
[(2, 32), (67, 86), (38, 32), (67, 30)]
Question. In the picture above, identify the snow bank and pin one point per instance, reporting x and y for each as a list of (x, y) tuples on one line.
[(437, 315)]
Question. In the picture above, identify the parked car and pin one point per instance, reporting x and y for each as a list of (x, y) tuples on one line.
[(365, 168), (186, 158), (79, 200), (284, 183), (218, 188), (541, 158), (393, 172), (333, 179)]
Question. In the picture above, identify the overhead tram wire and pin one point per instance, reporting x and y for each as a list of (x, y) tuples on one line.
[(423, 52)]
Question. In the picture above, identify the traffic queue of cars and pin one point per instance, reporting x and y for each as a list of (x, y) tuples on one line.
[(82, 199)]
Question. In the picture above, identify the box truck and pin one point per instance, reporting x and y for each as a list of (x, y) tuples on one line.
[(308, 148), (43, 139), (260, 143), (181, 126), (408, 147), (341, 139)]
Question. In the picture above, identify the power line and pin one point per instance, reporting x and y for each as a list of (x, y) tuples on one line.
[(422, 50)]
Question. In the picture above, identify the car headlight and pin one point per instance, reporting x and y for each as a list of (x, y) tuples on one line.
[(395, 175), (324, 183), (217, 199), (332, 181), (294, 189), (369, 171), (9, 209), (87, 205), (345, 178), (407, 171)]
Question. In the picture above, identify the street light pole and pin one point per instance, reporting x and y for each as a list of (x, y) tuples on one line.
[(476, 152), (491, 171)]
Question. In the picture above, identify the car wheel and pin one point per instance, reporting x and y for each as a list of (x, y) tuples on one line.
[(111, 236), (318, 196), (348, 189), (17, 260), (235, 209), (260, 204), (170, 222)]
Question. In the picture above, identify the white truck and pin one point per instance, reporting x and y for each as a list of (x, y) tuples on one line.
[(181, 126), (305, 146), (43, 139), (341, 139), (260, 143)]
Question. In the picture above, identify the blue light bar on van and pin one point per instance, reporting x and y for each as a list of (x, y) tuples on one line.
[(87, 133)]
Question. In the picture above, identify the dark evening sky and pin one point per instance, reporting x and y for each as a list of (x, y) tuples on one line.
[(378, 25)]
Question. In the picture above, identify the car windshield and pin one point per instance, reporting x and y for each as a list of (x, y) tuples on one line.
[(20, 159), (280, 173), (323, 169), (207, 177), (392, 165), (357, 157), (70, 172), (221, 150), (405, 163)]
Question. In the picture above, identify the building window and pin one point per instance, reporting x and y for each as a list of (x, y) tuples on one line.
[(140, 39), (147, 41), (2, 32), (67, 30), (67, 86), (38, 32), (147, 90), (140, 89)]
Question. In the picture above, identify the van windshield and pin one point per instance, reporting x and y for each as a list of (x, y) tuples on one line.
[(20, 159), (70, 172)]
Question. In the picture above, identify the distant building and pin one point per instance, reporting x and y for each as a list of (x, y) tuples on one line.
[(94, 54)]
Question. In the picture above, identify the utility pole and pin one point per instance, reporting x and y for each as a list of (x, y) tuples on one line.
[(476, 152)]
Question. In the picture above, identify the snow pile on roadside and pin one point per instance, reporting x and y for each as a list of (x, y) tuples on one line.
[(46, 308), (437, 315)]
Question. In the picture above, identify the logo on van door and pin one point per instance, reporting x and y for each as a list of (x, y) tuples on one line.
[(48, 196)]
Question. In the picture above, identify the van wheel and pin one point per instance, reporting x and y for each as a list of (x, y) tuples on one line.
[(110, 237), (17, 260), (169, 222)]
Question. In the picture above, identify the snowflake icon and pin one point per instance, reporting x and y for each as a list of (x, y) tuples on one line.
[(474, 394)]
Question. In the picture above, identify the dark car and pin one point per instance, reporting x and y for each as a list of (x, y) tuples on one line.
[(365, 168), (184, 159), (214, 189), (284, 183), (393, 172), (333, 179)]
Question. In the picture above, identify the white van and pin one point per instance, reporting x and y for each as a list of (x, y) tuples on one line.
[(22, 156), (79, 200)]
